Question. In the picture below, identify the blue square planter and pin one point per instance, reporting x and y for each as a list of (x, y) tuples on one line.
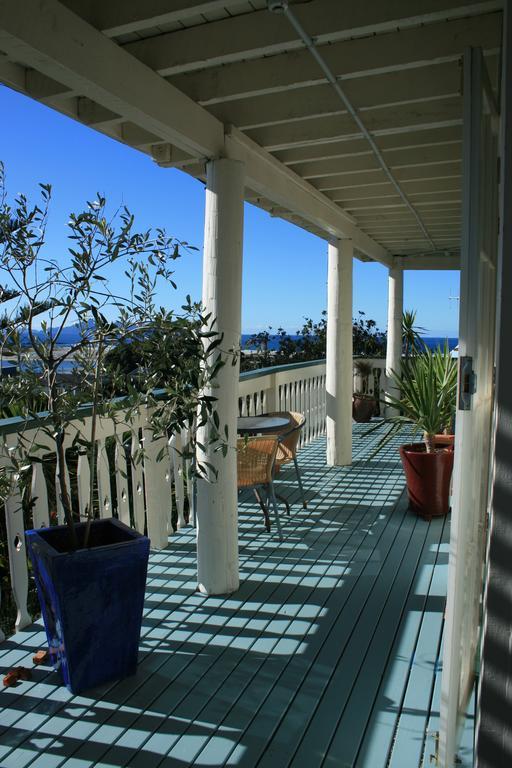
[(91, 600)]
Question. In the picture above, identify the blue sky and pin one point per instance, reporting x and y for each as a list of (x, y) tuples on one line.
[(285, 268)]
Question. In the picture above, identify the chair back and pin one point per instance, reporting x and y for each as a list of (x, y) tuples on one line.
[(255, 460), (289, 435)]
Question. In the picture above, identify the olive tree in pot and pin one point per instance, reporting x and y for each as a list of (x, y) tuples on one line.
[(90, 573), (364, 403), (427, 386)]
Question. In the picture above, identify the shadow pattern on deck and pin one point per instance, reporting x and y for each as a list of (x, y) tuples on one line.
[(327, 655)]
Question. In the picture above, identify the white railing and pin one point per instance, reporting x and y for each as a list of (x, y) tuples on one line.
[(287, 388), (299, 387), (122, 482)]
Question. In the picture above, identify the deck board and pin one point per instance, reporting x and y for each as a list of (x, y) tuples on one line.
[(327, 655)]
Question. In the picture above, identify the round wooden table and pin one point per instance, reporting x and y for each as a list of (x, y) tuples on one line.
[(261, 425)]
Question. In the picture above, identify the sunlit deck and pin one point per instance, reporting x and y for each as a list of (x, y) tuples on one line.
[(328, 655)]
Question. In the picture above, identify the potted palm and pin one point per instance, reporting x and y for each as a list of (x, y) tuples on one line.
[(364, 403), (427, 386), (90, 573)]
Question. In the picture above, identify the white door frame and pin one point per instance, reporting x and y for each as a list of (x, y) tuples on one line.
[(474, 425)]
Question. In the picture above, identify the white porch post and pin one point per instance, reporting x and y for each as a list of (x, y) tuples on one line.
[(217, 514), (339, 373), (394, 339)]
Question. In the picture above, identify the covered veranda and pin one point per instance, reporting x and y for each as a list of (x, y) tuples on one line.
[(356, 122)]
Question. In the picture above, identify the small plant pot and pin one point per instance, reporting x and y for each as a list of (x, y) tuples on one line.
[(428, 478), (91, 600), (443, 440), (363, 408)]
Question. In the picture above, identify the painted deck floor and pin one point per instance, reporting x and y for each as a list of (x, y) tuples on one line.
[(328, 654)]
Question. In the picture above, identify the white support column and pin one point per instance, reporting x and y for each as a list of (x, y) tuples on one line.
[(394, 340), (339, 373), (217, 513)]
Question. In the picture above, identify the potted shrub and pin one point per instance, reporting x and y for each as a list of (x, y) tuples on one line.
[(427, 386), (90, 573), (363, 403)]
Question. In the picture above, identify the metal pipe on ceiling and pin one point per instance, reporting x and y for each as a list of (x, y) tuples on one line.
[(281, 7)]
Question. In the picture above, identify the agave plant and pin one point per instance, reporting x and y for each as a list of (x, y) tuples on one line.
[(427, 387), (412, 343), (364, 370)]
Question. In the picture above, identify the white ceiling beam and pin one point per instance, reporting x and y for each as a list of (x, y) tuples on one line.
[(54, 40), (269, 178), (387, 119), (429, 186), (386, 189), (12, 75), (428, 262), (358, 207), (417, 172), (386, 142), (353, 204), (31, 82), (382, 229), (167, 156), (359, 58), (424, 83), (95, 115), (439, 153), (378, 222), (264, 34), (120, 17)]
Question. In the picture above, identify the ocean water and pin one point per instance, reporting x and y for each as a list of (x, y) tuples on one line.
[(71, 335), (431, 341)]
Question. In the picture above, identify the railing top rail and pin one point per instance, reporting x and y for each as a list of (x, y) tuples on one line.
[(246, 375), (19, 423)]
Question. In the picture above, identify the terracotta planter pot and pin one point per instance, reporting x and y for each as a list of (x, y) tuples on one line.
[(443, 440), (428, 479), (363, 408)]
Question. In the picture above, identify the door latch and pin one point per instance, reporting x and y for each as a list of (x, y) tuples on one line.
[(467, 383)]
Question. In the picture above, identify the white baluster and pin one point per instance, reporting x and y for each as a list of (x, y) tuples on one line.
[(175, 446), (123, 502), (137, 483), (39, 496), (17, 557), (305, 435), (324, 405), (158, 489), (103, 480), (83, 477), (60, 506), (314, 409), (190, 481), (305, 409)]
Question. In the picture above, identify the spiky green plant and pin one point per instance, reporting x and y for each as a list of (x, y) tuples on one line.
[(412, 343), (427, 386)]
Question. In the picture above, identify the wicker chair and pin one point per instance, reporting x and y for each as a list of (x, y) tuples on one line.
[(255, 469), (288, 438)]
